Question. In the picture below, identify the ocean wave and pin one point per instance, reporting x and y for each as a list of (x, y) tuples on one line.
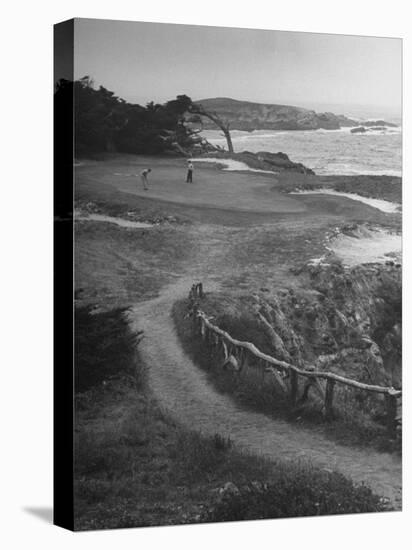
[(327, 152), (338, 170)]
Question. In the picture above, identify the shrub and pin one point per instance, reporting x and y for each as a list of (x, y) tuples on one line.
[(304, 494), (104, 346), (222, 443), (245, 328)]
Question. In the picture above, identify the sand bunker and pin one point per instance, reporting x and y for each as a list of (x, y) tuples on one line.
[(118, 221), (380, 204), (365, 246), (232, 165)]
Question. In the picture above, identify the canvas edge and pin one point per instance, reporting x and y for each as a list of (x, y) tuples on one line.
[(63, 356)]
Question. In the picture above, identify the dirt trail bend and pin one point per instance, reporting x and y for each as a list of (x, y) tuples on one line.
[(184, 391)]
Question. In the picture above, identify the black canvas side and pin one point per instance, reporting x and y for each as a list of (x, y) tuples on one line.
[(63, 275)]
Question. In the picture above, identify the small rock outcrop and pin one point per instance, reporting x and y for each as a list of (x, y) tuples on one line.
[(358, 130), (263, 160)]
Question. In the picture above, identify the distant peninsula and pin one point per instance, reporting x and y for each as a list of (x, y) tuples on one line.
[(249, 116)]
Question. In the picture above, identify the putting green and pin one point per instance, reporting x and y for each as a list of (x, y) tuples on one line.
[(211, 187)]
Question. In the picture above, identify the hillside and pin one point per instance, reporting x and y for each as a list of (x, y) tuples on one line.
[(246, 115)]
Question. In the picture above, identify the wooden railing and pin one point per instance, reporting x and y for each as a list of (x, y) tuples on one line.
[(240, 354)]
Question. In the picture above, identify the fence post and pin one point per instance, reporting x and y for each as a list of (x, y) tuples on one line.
[(200, 289), (391, 410), (202, 329), (330, 384), (293, 387), (245, 361), (195, 319), (199, 324)]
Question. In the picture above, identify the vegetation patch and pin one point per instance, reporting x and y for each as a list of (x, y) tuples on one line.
[(306, 493), (378, 187), (121, 208), (388, 188)]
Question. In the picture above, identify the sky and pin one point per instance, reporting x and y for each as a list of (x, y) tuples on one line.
[(141, 62)]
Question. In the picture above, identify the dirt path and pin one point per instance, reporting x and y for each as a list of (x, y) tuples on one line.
[(183, 390)]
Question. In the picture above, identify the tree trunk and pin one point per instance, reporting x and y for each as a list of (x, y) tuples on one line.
[(214, 117), (228, 140)]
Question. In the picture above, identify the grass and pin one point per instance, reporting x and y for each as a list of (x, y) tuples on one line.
[(134, 466), (118, 266), (352, 425), (111, 201)]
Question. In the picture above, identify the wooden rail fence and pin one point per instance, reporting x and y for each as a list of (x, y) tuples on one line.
[(240, 354)]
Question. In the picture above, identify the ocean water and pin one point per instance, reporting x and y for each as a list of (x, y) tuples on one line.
[(327, 152)]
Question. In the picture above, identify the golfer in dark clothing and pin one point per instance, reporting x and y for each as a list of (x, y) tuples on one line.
[(144, 175), (189, 178)]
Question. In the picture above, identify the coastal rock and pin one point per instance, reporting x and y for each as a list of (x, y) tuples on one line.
[(281, 160), (358, 130), (263, 160)]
